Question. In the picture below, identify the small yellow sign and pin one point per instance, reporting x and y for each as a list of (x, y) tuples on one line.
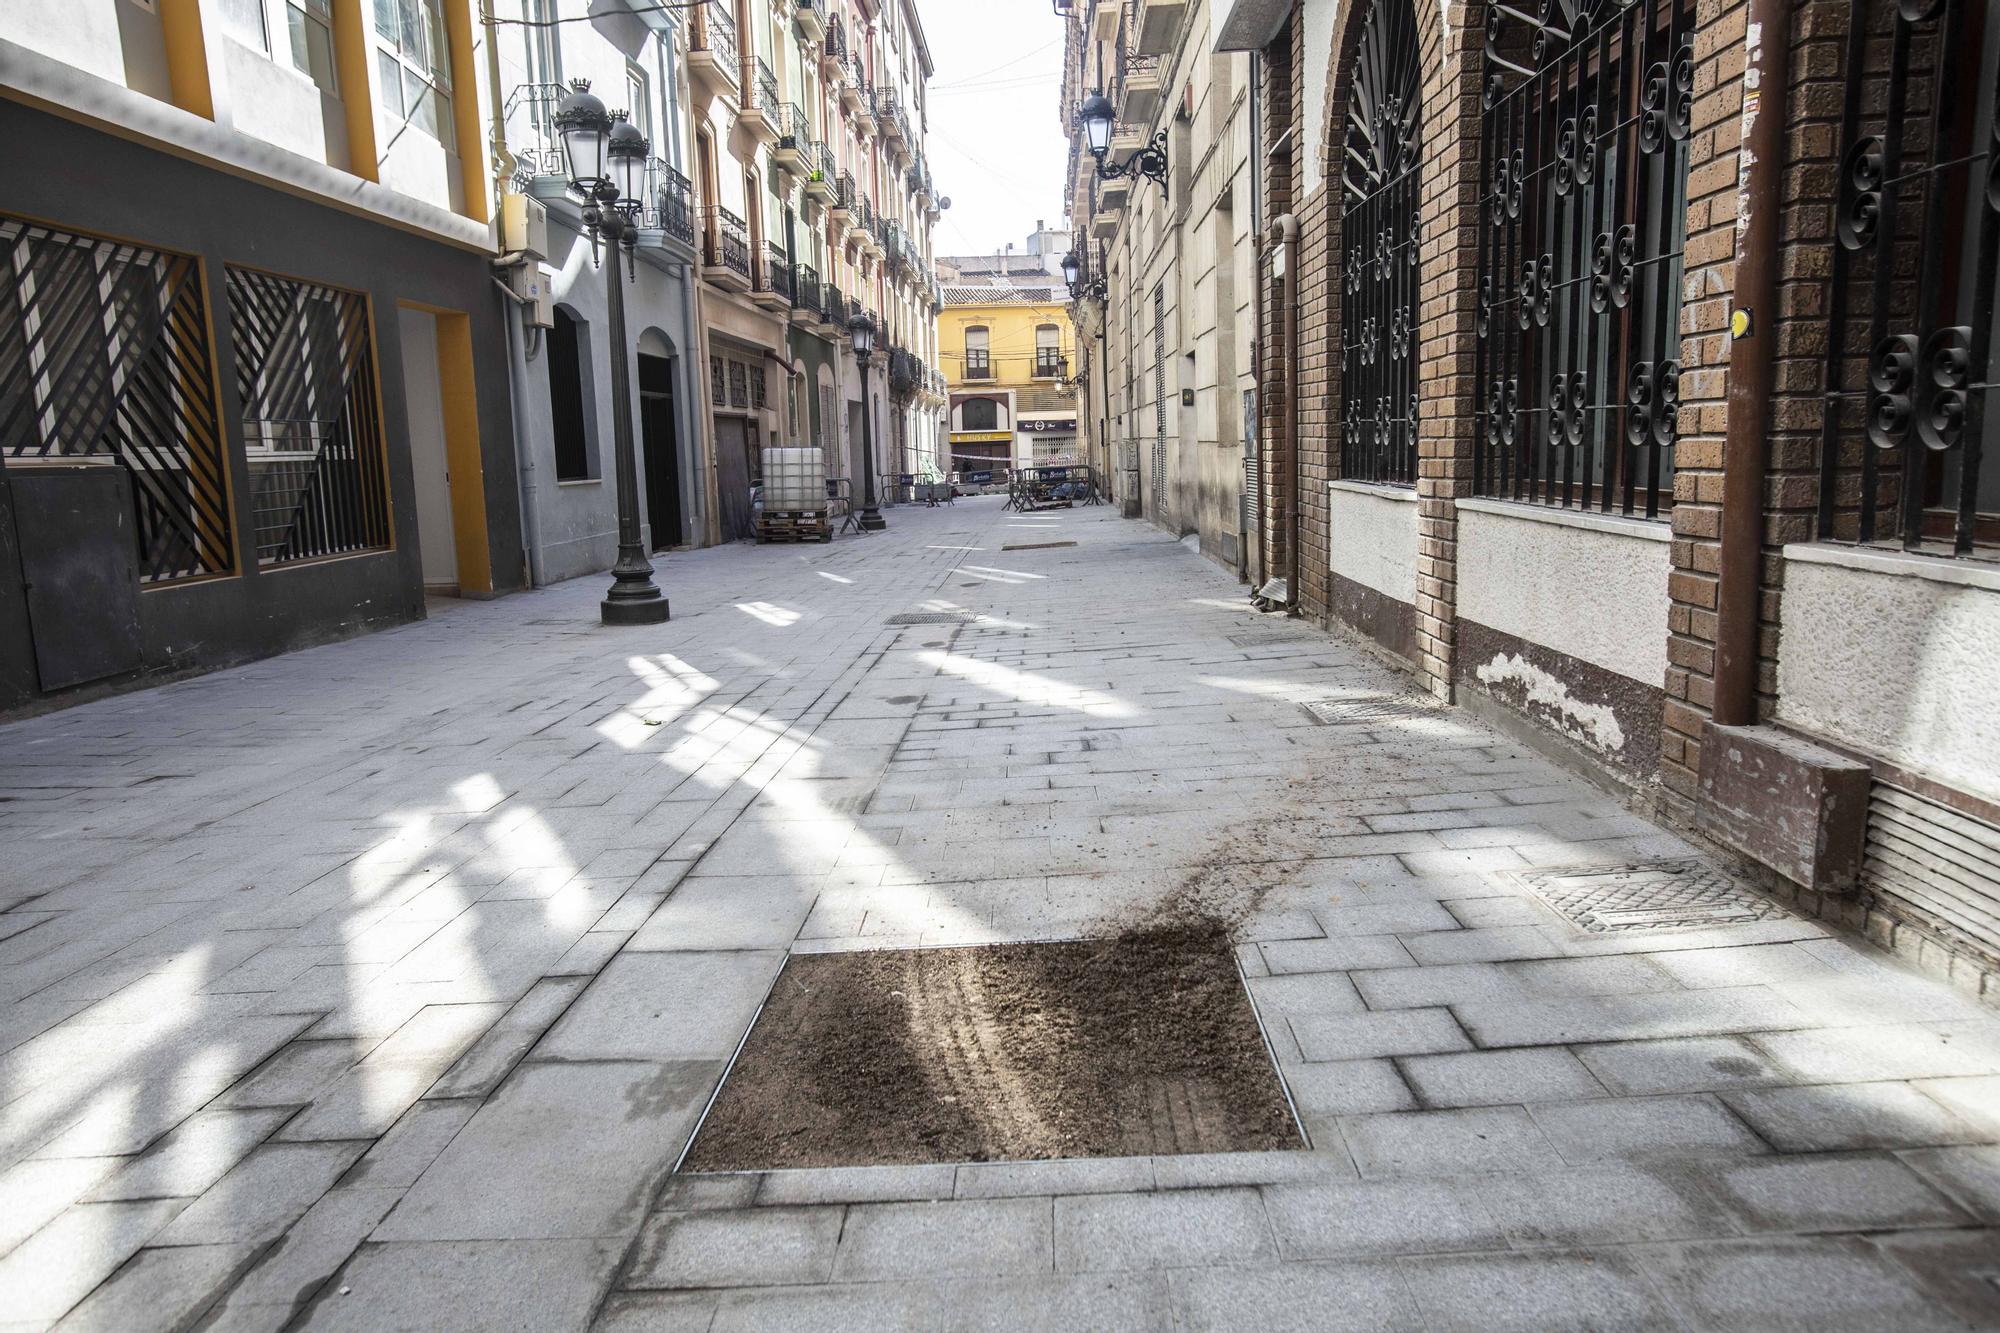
[(981, 436)]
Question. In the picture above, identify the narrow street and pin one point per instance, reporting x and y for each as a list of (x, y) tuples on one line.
[(383, 985)]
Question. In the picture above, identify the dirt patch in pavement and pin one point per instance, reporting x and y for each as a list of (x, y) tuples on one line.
[(1136, 1045)]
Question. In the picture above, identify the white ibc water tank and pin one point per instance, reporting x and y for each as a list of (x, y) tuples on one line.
[(794, 480)]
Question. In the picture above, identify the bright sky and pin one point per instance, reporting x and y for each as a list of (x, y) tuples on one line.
[(996, 147)]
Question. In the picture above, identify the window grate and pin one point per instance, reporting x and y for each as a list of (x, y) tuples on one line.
[(1379, 252), (1911, 361), (104, 353), (305, 370), (1585, 133)]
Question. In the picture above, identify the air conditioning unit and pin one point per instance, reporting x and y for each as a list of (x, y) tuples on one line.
[(538, 300), (524, 226)]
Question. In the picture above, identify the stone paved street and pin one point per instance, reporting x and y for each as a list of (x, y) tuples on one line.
[(382, 985)]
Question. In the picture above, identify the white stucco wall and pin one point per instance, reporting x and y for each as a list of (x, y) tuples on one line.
[(274, 102), (1897, 655), (1593, 587), (80, 33), (1372, 532)]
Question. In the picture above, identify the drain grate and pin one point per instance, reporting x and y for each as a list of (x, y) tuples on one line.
[(929, 618), (1036, 546), (1367, 709), (1647, 895)]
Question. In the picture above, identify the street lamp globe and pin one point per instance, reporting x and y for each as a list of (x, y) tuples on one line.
[(583, 125), (1096, 114), (1071, 270), (627, 150), (862, 327)]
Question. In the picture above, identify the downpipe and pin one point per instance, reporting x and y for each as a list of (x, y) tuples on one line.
[(1746, 439), (524, 454), (1285, 232)]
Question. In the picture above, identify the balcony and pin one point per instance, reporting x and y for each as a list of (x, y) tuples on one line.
[(725, 250), (712, 58), (978, 365), (1050, 364), (889, 116), (1157, 24), (795, 142), (862, 104), (861, 223), (1104, 224), (1139, 95), (820, 175), (832, 310), (840, 211), (1113, 195), (774, 292), (833, 52), (758, 115), (805, 295), (809, 18), (667, 224)]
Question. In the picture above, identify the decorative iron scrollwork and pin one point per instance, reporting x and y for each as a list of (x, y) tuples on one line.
[(1947, 374), (1892, 374), (1588, 110), (1860, 204), (1378, 239)]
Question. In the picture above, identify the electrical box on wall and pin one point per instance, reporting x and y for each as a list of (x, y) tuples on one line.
[(524, 226), (538, 302)]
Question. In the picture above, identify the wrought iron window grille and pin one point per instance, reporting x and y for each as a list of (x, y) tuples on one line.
[(1380, 251), (1585, 123), (1909, 443)]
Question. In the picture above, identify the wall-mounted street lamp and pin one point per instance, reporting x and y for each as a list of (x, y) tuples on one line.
[(1096, 115), (1079, 286), (862, 329), (605, 156)]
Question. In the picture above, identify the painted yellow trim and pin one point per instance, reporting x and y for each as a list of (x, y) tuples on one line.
[(457, 387), (187, 57), (469, 129), (354, 60)]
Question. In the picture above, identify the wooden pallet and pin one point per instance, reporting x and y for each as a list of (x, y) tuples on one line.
[(793, 527)]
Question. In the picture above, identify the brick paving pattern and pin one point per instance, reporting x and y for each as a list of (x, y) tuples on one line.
[(381, 985)]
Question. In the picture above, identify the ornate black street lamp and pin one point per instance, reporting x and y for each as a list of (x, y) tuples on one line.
[(605, 156), (1080, 288), (862, 328), (1096, 115)]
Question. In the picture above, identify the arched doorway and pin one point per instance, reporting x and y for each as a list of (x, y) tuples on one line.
[(1380, 250), (659, 438)]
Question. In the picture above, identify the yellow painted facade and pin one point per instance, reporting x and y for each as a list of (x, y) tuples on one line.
[(1033, 419)]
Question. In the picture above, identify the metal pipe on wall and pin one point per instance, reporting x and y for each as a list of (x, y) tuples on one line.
[(1286, 228), (1746, 439)]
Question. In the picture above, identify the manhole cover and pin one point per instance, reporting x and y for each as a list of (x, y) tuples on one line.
[(1364, 710), (1035, 546), (929, 618), (1140, 1045), (1648, 895)]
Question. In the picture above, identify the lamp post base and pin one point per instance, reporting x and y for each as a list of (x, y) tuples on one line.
[(634, 611), (870, 520)]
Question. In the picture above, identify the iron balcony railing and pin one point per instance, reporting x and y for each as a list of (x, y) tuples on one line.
[(836, 39), (806, 289), (715, 31), (978, 365), (777, 271), (1048, 364), (866, 212), (858, 77), (820, 164), (795, 131), (889, 114), (844, 192), (725, 240), (670, 202), (767, 92), (832, 305)]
